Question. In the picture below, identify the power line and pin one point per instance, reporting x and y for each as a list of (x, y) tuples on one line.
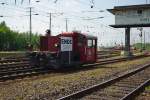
[(37, 19), (93, 18), (92, 3), (93, 11), (87, 3), (22, 1), (55, 1)]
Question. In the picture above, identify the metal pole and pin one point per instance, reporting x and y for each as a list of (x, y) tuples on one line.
[(144, 42), (127, 42), (66, 25), (30, 24), (50, 22)]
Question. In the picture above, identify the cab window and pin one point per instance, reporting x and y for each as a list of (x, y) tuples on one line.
[(89, 43), (94, 43)]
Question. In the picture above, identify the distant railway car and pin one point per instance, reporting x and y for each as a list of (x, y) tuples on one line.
[(66, 50)]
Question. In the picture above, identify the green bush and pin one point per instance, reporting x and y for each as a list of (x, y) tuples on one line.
[(138, 46), (15, 41)]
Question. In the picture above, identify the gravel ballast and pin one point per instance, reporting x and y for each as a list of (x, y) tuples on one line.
[(53, 86)]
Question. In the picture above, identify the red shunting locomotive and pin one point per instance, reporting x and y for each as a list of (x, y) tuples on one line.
[(65, 50)]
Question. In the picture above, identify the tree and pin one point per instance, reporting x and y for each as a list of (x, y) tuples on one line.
[(12, 40)]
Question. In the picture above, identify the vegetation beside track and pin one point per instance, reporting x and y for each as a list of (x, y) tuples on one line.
[(145, 95), (147, 88), (138, 46), (61, 83), (15, 41)]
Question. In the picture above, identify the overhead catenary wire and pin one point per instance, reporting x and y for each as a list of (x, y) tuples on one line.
[(44, 8)]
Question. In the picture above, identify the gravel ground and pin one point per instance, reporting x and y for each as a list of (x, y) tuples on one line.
[(145, 95), (55, 85)]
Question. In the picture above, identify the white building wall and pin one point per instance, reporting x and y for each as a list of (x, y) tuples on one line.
[(132, 17)]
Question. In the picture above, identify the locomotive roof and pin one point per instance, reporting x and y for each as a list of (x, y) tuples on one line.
[(83, 34), (89, 36)]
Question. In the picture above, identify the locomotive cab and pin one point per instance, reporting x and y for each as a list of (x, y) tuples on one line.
[(88, 50)]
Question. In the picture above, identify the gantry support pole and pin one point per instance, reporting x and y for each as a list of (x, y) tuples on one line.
[(127, 42)]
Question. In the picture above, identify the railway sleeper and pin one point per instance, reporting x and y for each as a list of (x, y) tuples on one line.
[(22, 75), (17, 66), (15, 69), (20, 71)]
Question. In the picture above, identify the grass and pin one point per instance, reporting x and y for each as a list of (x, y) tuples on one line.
[(147, 88), (138, 46)]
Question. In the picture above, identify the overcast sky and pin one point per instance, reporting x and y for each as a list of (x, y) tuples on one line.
[(77, 11)]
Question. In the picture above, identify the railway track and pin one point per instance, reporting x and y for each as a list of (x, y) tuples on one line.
[(102, 55), (115, 60), (13, 59), (19, 67), (25, 68), (19, 70), (122, 87)]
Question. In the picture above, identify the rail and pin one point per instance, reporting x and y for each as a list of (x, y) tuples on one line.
[(84, 92)]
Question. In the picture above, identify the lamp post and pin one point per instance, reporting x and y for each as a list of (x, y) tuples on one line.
[(140, 35)]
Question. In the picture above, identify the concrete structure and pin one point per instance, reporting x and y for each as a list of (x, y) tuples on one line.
[(128, 17)]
